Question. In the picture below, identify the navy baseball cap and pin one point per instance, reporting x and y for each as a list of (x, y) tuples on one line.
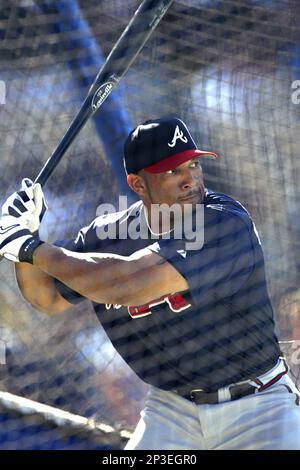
[(160, 145)]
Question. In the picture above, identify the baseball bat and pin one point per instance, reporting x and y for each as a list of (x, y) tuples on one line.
[(122, 55), (124, 52)]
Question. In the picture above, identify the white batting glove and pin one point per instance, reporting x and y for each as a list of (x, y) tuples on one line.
[(28, 203), (17, 243)]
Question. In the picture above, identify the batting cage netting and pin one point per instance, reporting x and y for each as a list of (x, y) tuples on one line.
[(231, 70)]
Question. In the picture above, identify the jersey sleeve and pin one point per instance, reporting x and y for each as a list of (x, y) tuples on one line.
[(224, 262)]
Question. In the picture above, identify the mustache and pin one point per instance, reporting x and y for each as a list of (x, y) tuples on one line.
[(199, 193)]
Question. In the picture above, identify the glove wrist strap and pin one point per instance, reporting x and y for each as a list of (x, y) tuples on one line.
[(28, 248)]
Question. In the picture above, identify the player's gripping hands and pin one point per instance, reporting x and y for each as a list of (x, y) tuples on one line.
[(28, 203), (21, 216)]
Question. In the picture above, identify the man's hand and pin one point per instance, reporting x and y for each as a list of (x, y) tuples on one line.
[(17, 243), (21, 216), (28, 204)]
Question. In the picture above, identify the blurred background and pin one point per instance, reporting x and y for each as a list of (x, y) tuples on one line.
[(227, 68)]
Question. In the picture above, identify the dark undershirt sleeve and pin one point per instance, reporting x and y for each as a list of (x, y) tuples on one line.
[(66, 292)]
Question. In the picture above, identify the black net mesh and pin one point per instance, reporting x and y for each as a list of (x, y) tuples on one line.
[(227, 68)]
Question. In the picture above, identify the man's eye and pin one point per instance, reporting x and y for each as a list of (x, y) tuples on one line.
[(171, 172), (195, 164)]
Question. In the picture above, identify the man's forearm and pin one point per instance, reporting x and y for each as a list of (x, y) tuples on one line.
[(93, 275), (110, 278)]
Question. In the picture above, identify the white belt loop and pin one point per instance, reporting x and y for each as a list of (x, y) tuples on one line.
[(224, 394)]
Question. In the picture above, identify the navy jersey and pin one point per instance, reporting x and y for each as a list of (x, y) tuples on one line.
[(219, 331)]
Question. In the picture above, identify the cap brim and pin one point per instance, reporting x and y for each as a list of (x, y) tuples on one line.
[(173, 161)]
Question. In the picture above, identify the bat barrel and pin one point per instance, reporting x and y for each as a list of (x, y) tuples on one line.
[(64, 144), (144, 21)]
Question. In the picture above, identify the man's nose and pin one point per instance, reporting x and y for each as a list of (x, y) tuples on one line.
[(189, 180)]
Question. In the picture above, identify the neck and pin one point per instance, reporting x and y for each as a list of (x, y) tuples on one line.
[(157, 224)]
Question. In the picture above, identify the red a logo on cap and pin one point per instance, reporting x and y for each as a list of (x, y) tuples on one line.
[(178, 134)]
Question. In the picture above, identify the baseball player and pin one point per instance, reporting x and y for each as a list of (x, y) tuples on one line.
[(194, 322)]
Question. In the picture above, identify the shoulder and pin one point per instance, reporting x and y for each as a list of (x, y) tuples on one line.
[(223, 202), (220, 206), (226, 220)]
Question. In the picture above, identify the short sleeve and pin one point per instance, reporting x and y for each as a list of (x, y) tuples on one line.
[(224, 262)]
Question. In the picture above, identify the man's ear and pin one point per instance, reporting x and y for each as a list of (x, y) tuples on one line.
[(137, 184)]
